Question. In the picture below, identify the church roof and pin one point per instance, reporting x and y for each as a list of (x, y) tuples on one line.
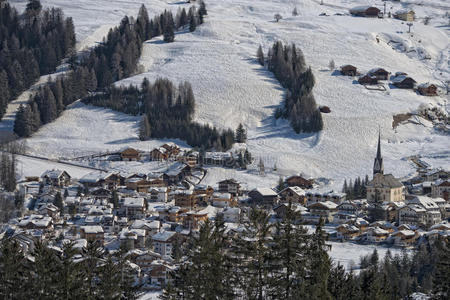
[(384, 181)]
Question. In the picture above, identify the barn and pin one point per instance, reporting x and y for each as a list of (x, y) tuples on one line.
[(367, 79), (365, 11), (403, 82), (427, 89), (379, 73), (348, 70)]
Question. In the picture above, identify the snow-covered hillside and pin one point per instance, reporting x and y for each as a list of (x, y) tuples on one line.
[(230, 87)]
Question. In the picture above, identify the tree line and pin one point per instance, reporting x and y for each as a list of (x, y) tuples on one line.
[(166, 110), (356, 189), (64, 273), (31, 44), (289, 67), (263, 260), (114, 59)]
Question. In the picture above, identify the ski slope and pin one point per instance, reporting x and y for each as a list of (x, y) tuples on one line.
[(230, 87)]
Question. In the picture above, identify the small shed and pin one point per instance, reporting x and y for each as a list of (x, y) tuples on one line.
[(379, 73), (405, 15), (367, 79), (348, 70), (365, 11), (427, 89), (403, 82)]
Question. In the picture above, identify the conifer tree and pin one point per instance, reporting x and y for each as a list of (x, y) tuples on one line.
[(144, 129), (58, 202), (260, 55), (290, 243), (241, 134)]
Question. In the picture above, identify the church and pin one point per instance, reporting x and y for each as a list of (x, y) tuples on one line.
[(383, 187)]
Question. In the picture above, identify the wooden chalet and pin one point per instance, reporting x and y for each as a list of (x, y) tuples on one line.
[(176, 173), (159, 154), (348, 70), (379, 73), (229, 186), (300, 182), (367, 79), (365, 11), (130, 154), (57, 178), (403, 82), (427, 89)]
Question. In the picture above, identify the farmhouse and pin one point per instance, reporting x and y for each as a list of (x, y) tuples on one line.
[(379, 73), (405, 15), (348, 70), (365, 11), (427, 89), (403, 82)]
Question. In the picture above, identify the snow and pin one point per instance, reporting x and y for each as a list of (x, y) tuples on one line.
[(349, 254), (231, 88)]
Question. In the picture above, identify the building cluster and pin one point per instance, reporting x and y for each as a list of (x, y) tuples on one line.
[(399, 80), (153, 215)]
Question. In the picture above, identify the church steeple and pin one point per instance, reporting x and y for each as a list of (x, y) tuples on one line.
[(378, 167)]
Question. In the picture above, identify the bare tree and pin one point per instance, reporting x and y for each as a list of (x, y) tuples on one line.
[(278, 17), (331, 65)]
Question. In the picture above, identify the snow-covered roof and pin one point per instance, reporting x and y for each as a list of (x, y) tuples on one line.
[(36, 220), (401, 78), (175, 169), (133, 202), (163, 236), (224, 196), (361, 8), (54, 174), (139, 224), (94, 177), (295, 189), (404, 11), (266, 192), (424, 201), (131, 233), (92, 229)]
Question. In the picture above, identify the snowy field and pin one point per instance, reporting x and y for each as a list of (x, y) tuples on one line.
[(230, 87)]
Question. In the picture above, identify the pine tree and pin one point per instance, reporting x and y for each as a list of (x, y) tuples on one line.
[(23, 121), (58, 202), (281, 185), (290, 243), (144, 129), (192, 20), (260, 55), (169, 35), (241, 134), (441, 287), (252, 256), (295, 12)]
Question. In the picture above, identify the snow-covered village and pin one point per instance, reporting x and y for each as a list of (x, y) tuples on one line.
[(264, 149)]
